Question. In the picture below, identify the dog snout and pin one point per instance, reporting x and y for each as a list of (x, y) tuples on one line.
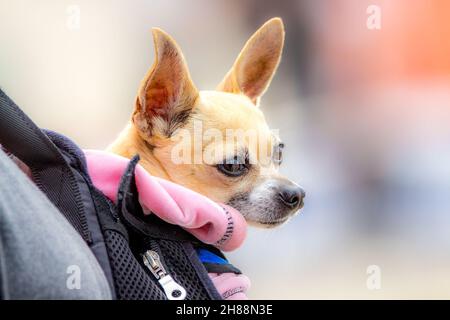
[(292, 196)]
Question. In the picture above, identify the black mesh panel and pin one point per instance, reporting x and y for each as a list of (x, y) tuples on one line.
[(179, 264), (131, 280)]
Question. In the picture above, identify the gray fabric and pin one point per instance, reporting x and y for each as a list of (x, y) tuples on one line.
[(41, 255)]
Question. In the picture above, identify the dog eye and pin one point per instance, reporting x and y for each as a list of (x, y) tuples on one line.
[(233, 168)]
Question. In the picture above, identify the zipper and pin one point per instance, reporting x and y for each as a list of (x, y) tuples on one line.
[(172, 289)]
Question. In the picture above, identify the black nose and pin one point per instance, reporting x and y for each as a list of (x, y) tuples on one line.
[(292, 196)]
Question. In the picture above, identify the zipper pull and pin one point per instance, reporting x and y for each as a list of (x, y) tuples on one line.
[(172, 289)]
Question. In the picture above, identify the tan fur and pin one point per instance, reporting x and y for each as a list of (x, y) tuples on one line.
[(166, 91), (256, 64), (168, 102)]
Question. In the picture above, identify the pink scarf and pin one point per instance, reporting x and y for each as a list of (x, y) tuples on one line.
[(211, 223)]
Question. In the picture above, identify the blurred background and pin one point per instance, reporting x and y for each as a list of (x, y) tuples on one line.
[(364, 113)]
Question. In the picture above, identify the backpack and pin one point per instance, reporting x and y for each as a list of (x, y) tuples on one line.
[(143, 257)]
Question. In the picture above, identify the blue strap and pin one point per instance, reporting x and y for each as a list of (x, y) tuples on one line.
[(207, 256)]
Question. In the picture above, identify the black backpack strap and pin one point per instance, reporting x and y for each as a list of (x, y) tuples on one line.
[(50, 169)]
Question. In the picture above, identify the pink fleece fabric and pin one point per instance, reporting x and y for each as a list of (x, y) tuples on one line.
[(175, 204)]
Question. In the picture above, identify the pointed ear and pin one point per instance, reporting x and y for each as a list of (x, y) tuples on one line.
[(256, 64), (167, 95)]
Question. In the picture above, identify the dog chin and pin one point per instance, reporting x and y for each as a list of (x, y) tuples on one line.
[(267, 224), (261, 218)]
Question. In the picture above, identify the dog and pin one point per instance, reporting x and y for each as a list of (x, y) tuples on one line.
[(169, 107)]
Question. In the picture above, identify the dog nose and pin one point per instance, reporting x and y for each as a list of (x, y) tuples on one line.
[(292, 196)]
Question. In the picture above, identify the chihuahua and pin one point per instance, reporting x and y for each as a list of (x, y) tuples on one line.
[(169, 110)]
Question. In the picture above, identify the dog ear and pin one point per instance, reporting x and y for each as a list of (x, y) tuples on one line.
[(167, 94), (256, 64)]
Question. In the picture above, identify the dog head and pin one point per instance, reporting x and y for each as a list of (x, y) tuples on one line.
[(217, 142)]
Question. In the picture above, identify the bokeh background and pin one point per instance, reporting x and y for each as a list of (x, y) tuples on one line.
[(365, 115)]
